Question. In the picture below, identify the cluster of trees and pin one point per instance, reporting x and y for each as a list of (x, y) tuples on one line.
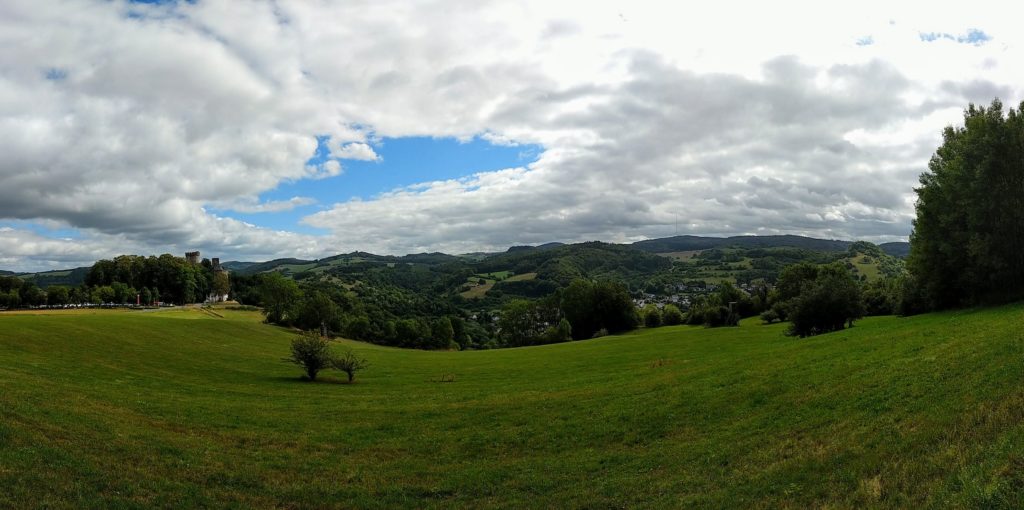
[(126, 279), (726, 306), (815, 299), (15, 293), (654, 317), (329, 310), (585, 309), (968, 241), (167, 278)]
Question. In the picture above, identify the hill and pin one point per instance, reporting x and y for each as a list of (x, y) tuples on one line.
[(67, 277), (236, 266), (696, 243), (900, 250), (185, 409)]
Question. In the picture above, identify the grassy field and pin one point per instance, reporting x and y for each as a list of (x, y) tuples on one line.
[(866, 266), (522, 277), (181, 409), (477, 291)]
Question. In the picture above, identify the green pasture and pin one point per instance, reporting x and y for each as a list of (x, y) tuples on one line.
[(182, 409)]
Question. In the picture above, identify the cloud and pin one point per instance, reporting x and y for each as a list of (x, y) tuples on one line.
[(357, 151), (671, 144), (139, 125), (329, 168), (271, 206)]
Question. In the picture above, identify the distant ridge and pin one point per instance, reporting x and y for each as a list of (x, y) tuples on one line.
[(692, 243), (540, 247), (234, 265), (76, 276), (898, 249)]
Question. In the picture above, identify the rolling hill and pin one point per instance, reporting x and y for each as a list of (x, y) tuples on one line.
[(187, 409), (694, 243)]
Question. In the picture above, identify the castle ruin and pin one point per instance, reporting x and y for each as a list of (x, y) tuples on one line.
[(220, 284)]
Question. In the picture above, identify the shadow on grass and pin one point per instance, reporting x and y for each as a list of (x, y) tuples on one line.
[(304, 380)]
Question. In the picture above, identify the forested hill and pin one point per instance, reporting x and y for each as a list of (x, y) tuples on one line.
[(899, 250), (66, 277), (693, 243), (555, 262)]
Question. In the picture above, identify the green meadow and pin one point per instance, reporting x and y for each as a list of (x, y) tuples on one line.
[(114, 409)]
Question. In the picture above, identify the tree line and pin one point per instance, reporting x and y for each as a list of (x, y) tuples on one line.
[(584, 309), (967, 246), (126, 279)]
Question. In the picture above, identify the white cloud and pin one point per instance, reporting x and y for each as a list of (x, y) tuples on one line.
[(129, 128), (357, 151), (329, 168), (271, 206)]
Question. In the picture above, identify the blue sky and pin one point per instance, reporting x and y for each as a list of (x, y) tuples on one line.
[(402, 162)]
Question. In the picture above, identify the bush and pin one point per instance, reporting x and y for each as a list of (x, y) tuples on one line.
[(560, 333), (350, 363), (312, 352), (718, 316), (769, 316), (652, 316), (671, 315)]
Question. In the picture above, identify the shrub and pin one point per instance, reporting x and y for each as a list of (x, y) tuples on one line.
[(671, 315), (350, 363), (312, 352), (652, 316), (769, 316), (560, 333)]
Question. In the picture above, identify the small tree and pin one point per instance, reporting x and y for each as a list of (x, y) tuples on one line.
[(312, 352), (350, 363)]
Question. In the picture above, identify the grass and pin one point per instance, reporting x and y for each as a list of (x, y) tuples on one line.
[(521, 277), (477, 290), (680, 255), (495, 275), (181, 409), (866, 266)]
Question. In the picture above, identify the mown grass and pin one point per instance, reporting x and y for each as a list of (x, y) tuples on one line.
[(120, 409)]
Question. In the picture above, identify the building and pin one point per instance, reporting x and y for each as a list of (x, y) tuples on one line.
[(192, 257), (221, 283)]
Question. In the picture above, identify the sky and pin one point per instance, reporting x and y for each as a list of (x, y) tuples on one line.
[(254, 130)]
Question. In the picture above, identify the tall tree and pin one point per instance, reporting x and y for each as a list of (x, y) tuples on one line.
[(279, 296), (968, 238)]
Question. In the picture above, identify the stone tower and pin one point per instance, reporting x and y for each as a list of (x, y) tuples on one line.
[(192, 257)]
